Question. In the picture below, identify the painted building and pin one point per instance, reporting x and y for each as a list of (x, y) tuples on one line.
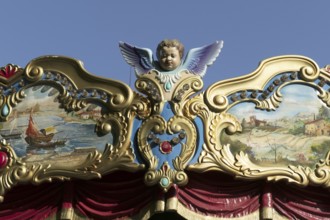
[(317, 127)]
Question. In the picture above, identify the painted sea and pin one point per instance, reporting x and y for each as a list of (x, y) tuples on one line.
[(71, 134), (78, 137)]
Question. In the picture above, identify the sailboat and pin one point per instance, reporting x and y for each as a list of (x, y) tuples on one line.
[(41, 138)]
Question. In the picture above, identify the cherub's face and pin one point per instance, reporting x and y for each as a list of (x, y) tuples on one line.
[(169, 58)]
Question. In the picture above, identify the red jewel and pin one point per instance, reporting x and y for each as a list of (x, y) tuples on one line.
[(166, 147), (3, 159)]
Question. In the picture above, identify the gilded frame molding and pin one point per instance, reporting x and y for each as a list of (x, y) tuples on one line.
[(77, 88), (123, 107), (217, 156)]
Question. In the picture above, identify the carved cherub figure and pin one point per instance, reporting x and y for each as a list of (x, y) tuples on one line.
[(169, 64), (169, 54)]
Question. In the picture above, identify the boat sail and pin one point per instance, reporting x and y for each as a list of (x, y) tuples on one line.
[(36, 137)]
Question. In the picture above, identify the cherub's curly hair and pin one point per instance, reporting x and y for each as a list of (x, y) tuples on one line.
[(170, 43)]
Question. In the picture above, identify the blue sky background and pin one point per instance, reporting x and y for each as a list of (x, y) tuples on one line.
[(90, 31)]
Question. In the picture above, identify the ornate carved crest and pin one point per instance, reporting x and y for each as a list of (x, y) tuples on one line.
[(256, 126)]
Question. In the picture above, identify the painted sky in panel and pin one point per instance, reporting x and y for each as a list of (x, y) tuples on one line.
[(90, 31), (293, 103)]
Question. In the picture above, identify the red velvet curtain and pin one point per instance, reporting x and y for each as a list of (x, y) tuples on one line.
[(301, 203), (32, 202), (122, 194), (216, 194), (116, 195)]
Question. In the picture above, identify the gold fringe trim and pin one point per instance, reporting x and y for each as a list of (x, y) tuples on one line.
[(267, 213), (160, 206), (188, 214), (67, 213), (172, 204)]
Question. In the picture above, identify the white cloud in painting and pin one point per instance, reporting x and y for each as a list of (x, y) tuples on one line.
[(36, 97)]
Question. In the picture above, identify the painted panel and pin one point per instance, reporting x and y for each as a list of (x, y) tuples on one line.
[(39, 130), (297, 133)]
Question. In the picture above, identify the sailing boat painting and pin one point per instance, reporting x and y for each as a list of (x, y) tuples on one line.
[(41, 138), (38, 129)]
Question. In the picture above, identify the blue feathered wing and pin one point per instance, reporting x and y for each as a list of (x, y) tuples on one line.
[(198, 59), (139, 58)]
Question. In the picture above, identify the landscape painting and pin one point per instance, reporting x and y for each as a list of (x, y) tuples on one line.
[(297, 133), (39, 130)]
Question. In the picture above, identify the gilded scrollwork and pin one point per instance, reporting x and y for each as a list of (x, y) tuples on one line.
[(321, 175), (216, 96), (14, 170), (75, 90), (158, 125), (175, 125), (160, 130), (34, 73), (213, 157), (325, 97), (309, 73), (8, 102), (185, 89), (120, 153), (166, 176), (141, 107), (266, 95), (149, 86), (119, 94), (70, 103)]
